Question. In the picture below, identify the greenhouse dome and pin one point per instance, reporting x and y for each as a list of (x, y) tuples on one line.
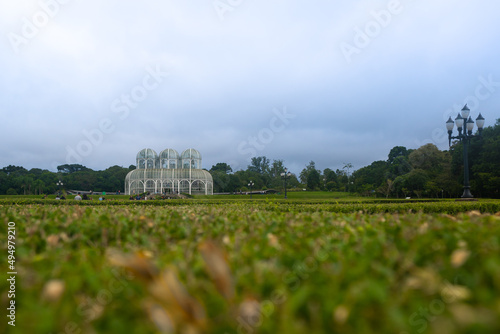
[(146, 158), (169, 173), (191, 158), (169, 158)]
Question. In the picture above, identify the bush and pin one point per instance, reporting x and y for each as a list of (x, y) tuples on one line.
[(270, 266)]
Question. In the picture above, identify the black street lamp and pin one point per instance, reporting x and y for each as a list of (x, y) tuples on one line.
[(465, 125), (59, 184), (286, 175), (251, 184)]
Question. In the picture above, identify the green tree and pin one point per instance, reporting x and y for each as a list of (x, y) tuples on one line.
[(427, 157), (71, 168), (373, 175), (10, 169), (330, 179), (259, 165), (38, 187), (387, 188), (484, 160), (313, 180), (305, 172), (416, 181), (277, 167), (397, 152), (4, 182), (221, 181), (11, 191), (221, 167)]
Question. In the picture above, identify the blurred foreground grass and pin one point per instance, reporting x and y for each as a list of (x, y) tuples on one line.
[(251, 268)]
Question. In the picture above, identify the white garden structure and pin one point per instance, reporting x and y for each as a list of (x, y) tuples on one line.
[(169, 173)]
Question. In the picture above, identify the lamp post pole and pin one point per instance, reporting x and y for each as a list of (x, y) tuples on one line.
[(250, 184), (286, 175), (465, 125)]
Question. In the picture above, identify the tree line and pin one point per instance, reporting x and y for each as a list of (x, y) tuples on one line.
[(429, 172), (16, 180), (267, 175), (422, 172)]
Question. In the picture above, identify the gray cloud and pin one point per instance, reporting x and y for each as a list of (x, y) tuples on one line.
[(412, 69)]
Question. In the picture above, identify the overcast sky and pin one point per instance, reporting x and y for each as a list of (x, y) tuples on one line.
[(94, 82)]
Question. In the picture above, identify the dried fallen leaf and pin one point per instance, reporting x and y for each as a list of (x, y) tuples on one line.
[(249, 311), (425, 279), (64, 237), (147, 254), (454, 293), (453, 218), (53, 240), (53, 290), (341, 314), (422, 229), (459, 256), (183, 308), (160, 317), (218, 268), (474, 213), (463, 314), (273, 240), (137, 263)]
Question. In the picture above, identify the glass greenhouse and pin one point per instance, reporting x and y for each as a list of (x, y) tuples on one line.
[(169, 173)]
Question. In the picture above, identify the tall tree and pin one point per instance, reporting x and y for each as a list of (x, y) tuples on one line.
[(71, 168), (259, 165), (398, 151), (330, 179), (277, 167), (416, 181), (313, 180), (10, 169), (372, 176), (305, 172), (427, 157), (221, 167), (484, 160)]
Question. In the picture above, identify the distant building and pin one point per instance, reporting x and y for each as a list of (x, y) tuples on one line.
[(169, 173)]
